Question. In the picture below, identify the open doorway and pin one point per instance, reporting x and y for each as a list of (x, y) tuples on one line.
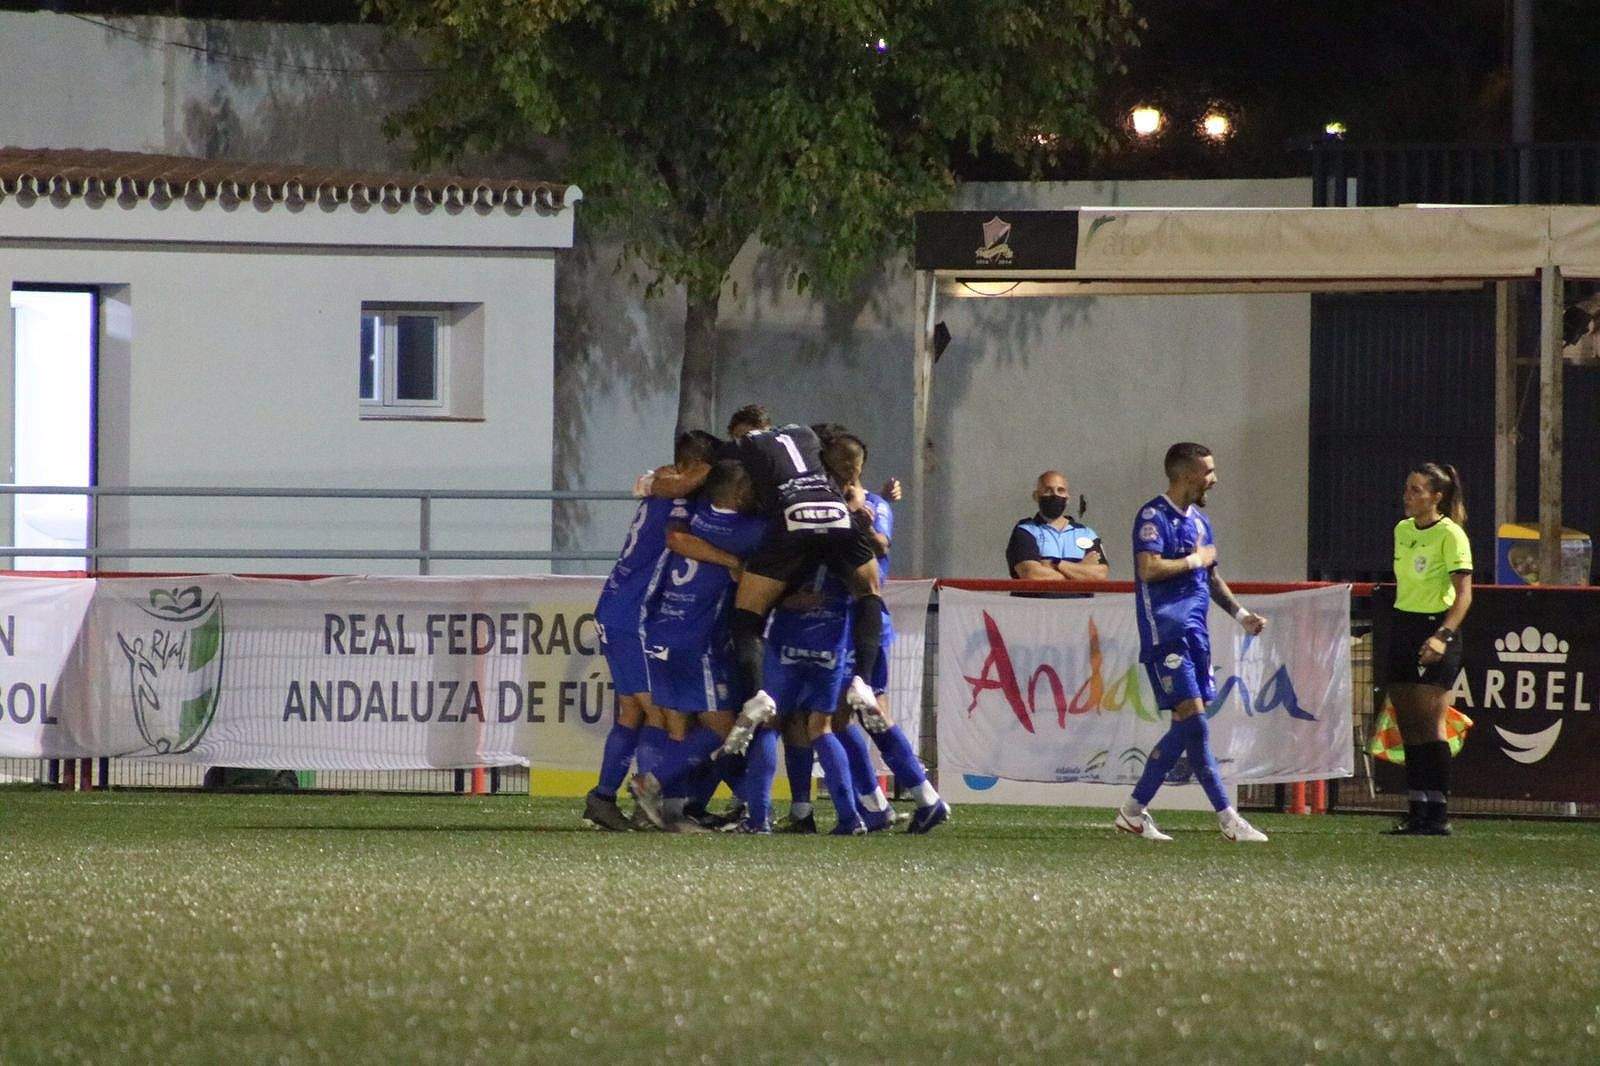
[(54, 334)]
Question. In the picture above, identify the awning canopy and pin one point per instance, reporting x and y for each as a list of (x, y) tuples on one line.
[(1174, 250)]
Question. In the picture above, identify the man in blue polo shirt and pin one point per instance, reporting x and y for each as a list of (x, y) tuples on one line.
[(1051, 546)]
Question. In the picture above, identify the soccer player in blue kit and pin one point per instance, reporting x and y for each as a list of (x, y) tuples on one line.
[(805, 674), (1176, 579), (845, 456), (619, 618), (688, 648)]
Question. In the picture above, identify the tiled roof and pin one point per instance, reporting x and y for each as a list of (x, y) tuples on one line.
[(98, 175)]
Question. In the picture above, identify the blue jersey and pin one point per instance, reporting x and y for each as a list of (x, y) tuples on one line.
[(816, 634), (643, 551), (688, 606), (1172, 609), (883, 522)]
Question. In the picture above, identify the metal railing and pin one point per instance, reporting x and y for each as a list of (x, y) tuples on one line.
[(424, 555)]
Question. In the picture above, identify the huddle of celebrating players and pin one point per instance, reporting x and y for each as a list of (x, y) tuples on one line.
[(746, 603)]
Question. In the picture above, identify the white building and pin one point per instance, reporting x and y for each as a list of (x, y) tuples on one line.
[(189, 322)]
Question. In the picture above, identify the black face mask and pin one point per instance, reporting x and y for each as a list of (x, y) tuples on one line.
[(1053, 507)]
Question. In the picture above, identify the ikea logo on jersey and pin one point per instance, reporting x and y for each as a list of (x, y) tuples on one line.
[(823, 515), (1126, 690)]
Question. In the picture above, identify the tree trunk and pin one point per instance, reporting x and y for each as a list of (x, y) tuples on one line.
[(697, 383)]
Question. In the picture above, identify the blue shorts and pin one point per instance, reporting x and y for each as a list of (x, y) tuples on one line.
[(802, 680), (624, 653), (880, 673), (1181, 670), (689, 680)]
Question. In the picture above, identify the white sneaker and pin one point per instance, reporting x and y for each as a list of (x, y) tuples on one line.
[(646, 792), (1141, 826), (1242, 832), (758, 711), (864, 702)]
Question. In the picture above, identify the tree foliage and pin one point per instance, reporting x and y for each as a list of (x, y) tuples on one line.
[(818, 126)]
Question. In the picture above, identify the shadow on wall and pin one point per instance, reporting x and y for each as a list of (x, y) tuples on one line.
[(987, 334), (292, 93), (615, 351), (810, 359)]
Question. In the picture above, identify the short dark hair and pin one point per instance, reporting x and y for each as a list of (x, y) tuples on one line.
[(844, 453), (694, 446), (753, 415), (727, 478), (826, 431), (1183, 455)]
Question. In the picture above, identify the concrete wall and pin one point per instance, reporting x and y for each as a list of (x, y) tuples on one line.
[(142, 86)]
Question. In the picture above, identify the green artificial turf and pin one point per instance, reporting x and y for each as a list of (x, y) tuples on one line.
[(170, 927)]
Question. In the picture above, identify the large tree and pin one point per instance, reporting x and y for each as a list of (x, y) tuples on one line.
[(817, 126)]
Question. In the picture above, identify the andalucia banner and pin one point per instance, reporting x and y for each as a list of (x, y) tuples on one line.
[(1053, 690)]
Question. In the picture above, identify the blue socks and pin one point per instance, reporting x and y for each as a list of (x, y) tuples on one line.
[(797, 763), (858, 750), (836, 771), (1163, 757), (653, 742), (682, 757), (1191, 736), (1203, 762), (900, 759), (761, 767), (621, 743)]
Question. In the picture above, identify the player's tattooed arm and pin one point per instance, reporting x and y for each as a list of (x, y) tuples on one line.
[(692, 547), (1223, 597), (671, 483)]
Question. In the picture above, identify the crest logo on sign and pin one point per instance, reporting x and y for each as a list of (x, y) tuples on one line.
[(175, 667), (995, 250)]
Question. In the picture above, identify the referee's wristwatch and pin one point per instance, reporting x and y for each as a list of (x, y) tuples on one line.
[(1444, 635)]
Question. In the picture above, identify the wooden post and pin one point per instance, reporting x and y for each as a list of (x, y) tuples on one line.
[(1550, 432), (1505, 404), (921, 389)]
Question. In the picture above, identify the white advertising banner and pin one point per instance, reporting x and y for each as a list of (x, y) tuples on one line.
[(41, 660), (1053, 690), (368, 673), (908, 611)]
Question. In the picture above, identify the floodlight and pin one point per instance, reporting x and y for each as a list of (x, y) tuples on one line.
[(1216, 125), (1146, 120)]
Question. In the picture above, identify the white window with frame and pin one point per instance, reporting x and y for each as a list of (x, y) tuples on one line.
[(405, 361)]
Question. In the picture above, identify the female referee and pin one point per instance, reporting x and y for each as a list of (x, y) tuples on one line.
[(1433, 579)]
